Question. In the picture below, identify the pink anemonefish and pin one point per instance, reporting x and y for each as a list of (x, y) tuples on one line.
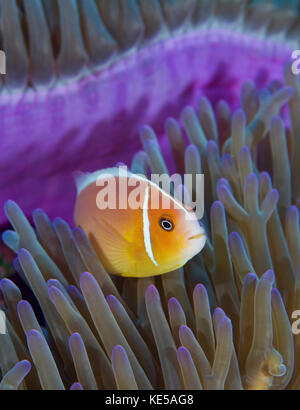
[(142, 242)]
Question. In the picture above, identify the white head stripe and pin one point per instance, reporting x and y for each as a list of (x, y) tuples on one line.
[(146, 227)]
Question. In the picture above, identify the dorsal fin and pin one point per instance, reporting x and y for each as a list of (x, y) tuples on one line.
[(79, 178), (83, 179)]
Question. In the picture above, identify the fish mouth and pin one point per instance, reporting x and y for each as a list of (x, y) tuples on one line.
[(199, 235)]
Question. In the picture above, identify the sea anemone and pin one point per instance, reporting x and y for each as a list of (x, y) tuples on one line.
[(222, 321)]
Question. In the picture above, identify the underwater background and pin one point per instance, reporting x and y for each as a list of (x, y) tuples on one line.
[(161, 85)]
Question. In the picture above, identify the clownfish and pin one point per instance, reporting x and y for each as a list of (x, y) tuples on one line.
[(133, 231)]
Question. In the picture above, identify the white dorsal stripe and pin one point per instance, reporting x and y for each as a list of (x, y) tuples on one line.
[(146, 227), (84, 180)]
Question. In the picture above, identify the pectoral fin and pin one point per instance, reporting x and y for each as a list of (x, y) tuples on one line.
[(115, 248)]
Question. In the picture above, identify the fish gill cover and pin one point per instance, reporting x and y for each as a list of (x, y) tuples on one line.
[(215, 83)]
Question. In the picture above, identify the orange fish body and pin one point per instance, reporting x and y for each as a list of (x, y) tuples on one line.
[(131, 228)]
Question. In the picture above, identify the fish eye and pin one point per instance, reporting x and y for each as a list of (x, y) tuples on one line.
[(166, 224)]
